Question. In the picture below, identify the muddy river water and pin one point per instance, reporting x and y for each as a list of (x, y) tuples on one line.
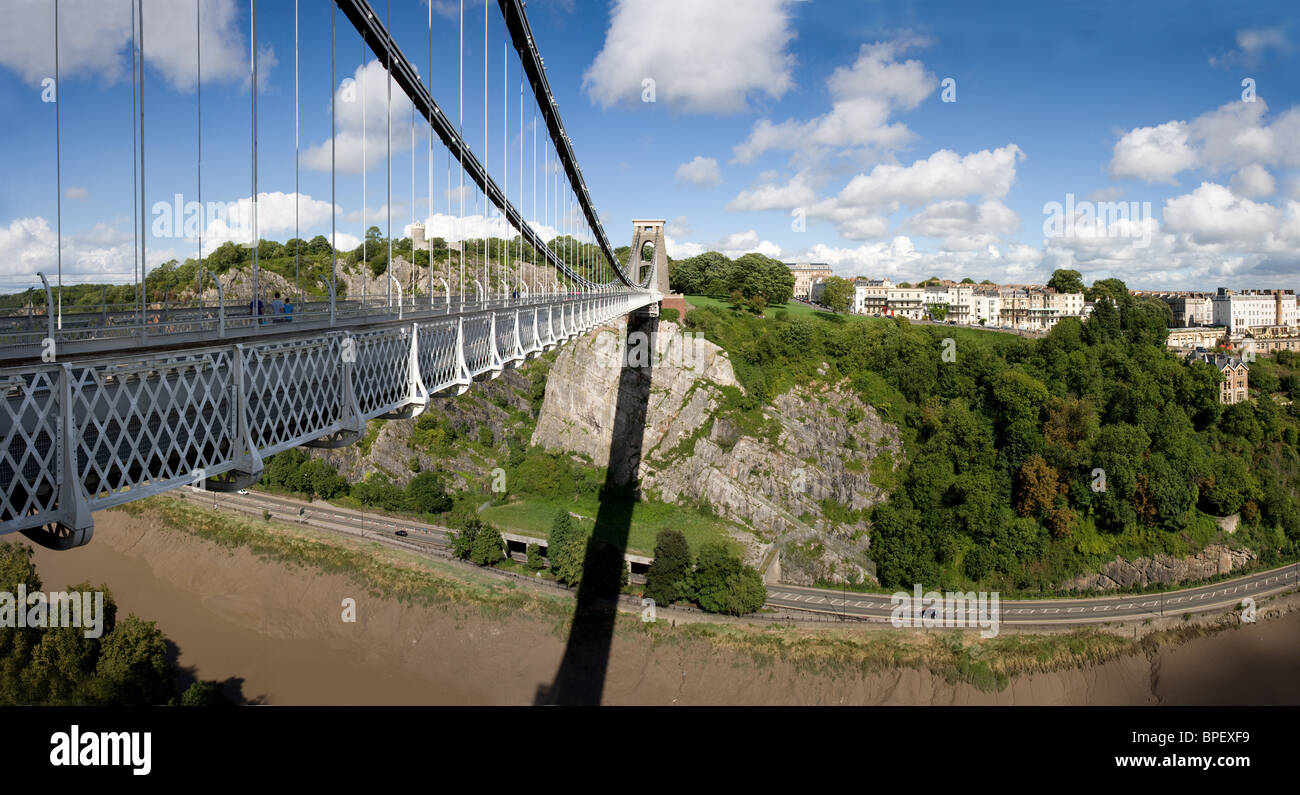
[(274, 634)]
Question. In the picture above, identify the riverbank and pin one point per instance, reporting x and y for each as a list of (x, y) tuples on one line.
[(259, 606)]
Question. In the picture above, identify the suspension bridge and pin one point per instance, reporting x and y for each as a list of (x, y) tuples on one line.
[(207, 390)]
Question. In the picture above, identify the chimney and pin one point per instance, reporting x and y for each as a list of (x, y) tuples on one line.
[(417, 238)]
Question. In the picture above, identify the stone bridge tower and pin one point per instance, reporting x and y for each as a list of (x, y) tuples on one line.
[(650, 249)]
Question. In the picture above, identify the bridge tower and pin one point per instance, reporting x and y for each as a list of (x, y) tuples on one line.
[(650, 250)]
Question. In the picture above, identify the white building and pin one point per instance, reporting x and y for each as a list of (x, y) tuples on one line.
[(1239, 311), (986, 306), (908, 302), (871, 296)]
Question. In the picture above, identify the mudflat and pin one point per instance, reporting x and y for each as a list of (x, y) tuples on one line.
[(274, 634)]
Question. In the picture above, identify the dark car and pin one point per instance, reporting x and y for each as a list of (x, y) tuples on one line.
[(401, 533)]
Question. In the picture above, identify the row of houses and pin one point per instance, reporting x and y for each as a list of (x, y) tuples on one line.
[(1235, 311), (1027, 307), (1258, 321)]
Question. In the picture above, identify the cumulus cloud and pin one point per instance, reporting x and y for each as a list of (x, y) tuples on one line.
[(704, 56), (733, 245), (361, 113), (75, 193), (771, 196), (1209, 236), (701, 172), (747, 242), (101, 254), (1230, 137), (275, 218), (1153, 154), (95, 40), (1211, 214), (864, 96), (964, 226), (1253, 182), (943, 175)]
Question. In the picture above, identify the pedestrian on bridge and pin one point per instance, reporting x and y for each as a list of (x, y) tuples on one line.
[(255, 308)]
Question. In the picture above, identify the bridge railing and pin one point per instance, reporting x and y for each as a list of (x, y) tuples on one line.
[(85, 433), (96, 328)]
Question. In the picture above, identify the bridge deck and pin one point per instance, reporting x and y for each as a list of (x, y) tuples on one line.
[(89, 432)]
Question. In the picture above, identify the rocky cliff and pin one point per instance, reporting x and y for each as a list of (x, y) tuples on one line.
[(500, 407), (798, 472), (1213, 561)]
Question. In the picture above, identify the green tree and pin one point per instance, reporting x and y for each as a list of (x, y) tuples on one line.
[(724, 584), (204, 694), (566, 549), (133, 665), (488, 547), (428, 492), (668, 577), (535, 560), (1066, 281), (837, 293)]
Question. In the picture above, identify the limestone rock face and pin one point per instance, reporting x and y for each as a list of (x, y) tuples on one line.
[(486, 405), (1212, 561), (813, 444)]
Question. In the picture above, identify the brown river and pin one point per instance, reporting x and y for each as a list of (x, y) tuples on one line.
[(273, 634)]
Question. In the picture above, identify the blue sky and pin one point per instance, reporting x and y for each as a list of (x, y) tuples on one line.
[(811, 130)]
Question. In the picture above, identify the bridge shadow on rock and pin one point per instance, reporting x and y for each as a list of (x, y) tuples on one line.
[(583, 669)]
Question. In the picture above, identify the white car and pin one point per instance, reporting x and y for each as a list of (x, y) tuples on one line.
[(243, 492)]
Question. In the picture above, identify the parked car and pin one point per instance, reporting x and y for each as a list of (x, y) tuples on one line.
[(243, 492), (401, 533)]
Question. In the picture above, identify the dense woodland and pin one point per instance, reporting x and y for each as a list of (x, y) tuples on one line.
[(1004, 441)]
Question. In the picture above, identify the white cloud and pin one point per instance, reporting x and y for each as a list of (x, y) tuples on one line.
[(360, 104), (704, 56), (76, 194), (1211, 214), (95, 40), (863, 95), (963, 226), (678, 227), (943, 175), (747, 242), (1153, 154), (680, 250), (101, 254), (275, 219), (344, 241), (701, 172), (733, 245), (1230, 137), (1252, 43), (1253, 182), (795, 193)]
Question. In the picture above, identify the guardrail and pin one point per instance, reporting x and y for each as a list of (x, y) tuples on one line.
[(83, 434), (25, 333)]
